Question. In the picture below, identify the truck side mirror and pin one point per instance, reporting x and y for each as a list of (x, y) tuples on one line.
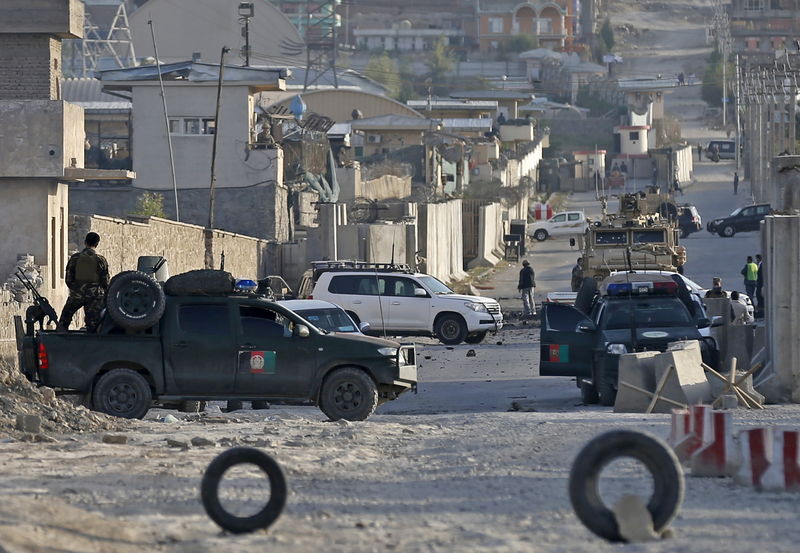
[(586, 326), (364, 327), (301, 331), (420, 292)]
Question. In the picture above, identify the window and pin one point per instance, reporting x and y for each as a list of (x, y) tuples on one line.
[(401, 287), (435, 285), (647, 313), (175, 126), (495, 24), (559, 218), (209, 126), (263, 323), (749, 212), (544, 26), (210, 320), (648, 237), (634, 135), (573, 216), (331, 319), (762, 210), (754, 4), (614, 237), (192, 125)]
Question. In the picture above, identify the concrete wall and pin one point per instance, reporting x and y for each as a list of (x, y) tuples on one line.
[(61, 18), (440, 240), (684, 161), (37, 54), (386, 187), (490, 236), (259, 211), (237, 165), (39, 138)]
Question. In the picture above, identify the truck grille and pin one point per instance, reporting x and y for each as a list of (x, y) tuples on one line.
[(652, 346), (493, 308)]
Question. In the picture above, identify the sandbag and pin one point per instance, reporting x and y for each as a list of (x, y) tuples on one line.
[(201, 282)]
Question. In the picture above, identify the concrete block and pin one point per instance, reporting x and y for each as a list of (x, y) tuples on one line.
[(687, 382), (699, 419), (29, 423), (756, 453), (716, 455), (680, 426), (729, 401), (636, 369), (784, 471)]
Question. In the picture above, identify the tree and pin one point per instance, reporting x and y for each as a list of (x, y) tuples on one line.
[(517, 44), (440, 62), (407, 80), (382, 68), (711, 91), (607, 34), (150, 204)]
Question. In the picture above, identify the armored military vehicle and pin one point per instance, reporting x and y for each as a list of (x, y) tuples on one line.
[(641, 235)]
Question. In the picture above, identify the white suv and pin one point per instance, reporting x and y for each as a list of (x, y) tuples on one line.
[(401, 302), (568, 223)]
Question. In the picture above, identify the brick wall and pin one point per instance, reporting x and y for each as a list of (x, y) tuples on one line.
[(29, 67)]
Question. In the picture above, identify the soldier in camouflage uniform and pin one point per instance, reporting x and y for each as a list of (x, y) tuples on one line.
[(87, 280)]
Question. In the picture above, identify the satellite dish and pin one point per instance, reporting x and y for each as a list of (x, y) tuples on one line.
[(297, 107)]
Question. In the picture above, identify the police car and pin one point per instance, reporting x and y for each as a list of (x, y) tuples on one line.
[(625, 313)]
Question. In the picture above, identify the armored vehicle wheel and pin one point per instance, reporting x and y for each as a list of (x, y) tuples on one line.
[(540, 235), (135, 301), (727, 231), (348, 393), (655, 455), (450, 329), (605, 389), (476, 338), (122, 393)]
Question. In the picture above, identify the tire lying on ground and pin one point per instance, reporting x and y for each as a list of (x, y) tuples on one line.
[(135, 301), (202, 282), (209, 490), (654, 454)]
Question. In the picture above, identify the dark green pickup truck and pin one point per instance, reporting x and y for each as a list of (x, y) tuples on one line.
[(229, 347)]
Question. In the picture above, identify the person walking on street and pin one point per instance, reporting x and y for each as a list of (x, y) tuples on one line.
[(87, 279), (699, 152), (750, 274), (577, 275), (716, 289), (760, 282), (735, 182), (525, 286)]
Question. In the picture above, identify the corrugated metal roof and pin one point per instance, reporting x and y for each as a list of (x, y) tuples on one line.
[(85, 90), (453, 104)]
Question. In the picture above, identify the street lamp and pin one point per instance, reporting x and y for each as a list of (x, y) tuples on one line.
[(246, 10)]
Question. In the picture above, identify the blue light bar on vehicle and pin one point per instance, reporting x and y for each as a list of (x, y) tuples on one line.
[(245, 285), (634, 288)]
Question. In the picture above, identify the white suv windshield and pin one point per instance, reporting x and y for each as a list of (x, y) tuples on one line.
[(435, 285)]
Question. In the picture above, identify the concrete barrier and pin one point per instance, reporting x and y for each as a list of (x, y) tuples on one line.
[(717, 455), (680, 426), (686, 382), (755, 446), (699, 418), (783, 473), (637, 369)]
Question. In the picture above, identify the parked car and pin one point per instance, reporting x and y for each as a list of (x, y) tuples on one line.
[(627, 313), (689, 220), (325, 315), (721, 149), (215, 346), (742, 219), (567, 223), (400, 302)]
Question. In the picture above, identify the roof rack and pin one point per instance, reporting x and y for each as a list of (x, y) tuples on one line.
[(348, 265)]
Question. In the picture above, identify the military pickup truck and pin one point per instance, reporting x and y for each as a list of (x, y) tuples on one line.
[(235, 346)]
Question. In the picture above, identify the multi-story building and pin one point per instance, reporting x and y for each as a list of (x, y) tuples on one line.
[(303, 12), (554, 22), (763, 26)]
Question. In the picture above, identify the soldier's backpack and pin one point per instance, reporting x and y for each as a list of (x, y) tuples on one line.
[(87, 268)]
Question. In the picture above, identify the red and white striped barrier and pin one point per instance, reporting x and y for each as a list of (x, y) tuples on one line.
[(756, 454), (717, 455), (699, 419), (680, 426), (783, 472)]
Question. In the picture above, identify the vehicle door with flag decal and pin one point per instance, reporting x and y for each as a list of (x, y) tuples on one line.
[(568, 339)]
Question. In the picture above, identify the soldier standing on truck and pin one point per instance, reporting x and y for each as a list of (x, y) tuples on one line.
[(87, 280)]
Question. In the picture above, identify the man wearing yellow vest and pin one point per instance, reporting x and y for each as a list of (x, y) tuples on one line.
[(87, 280), (750, 274)]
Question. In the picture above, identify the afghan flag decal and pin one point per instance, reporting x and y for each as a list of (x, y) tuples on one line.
[(559, 353)]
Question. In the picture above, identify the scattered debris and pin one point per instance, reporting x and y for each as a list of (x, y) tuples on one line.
[(172, 442), (29, 423), (199, 441), (471, 353), (118, 439)]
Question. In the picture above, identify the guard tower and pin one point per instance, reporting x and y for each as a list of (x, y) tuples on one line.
[(41, 136)]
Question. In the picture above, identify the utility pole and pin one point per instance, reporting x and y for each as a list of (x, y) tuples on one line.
[(225, 50), (246, 11)]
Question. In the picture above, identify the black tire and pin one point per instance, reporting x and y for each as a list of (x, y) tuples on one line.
[(450, 329), (540, 235), (476, 338), (122, 393), (589, 394), (191, 406), (606, 393), (584, 479), (234, 405), (727, 231), (585, 297), (260, 404), (348, 393), (135, 301), (209, 490)]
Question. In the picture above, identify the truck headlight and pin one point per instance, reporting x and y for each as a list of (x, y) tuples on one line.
[(476, 306), (616, 349), (389, 352)]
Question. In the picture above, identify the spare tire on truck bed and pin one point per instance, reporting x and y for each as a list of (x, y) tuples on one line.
[(201, 282), (135, 301)]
